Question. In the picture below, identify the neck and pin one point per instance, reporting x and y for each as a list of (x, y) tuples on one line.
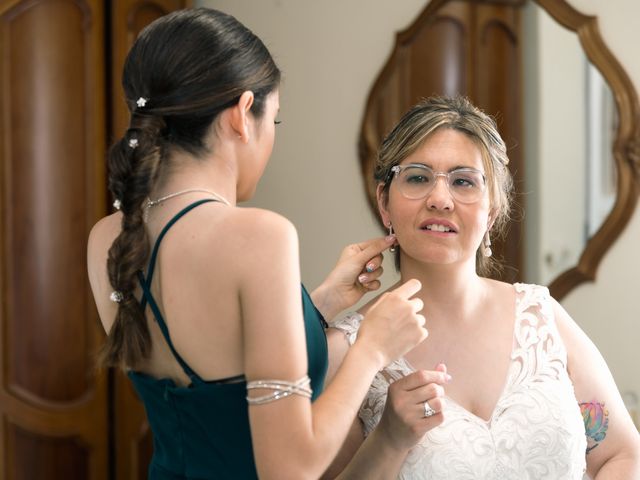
[(452, 291), (216, 177)]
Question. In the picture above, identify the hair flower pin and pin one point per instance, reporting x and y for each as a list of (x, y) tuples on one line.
[(133, 142), (141, 102), (116, 296)]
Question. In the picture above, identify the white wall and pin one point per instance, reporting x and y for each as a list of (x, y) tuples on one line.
[(330, 52)]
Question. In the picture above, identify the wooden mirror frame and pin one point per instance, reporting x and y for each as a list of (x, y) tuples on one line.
[(626, 146)]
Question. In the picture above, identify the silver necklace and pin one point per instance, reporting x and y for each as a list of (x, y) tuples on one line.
[(152, 203)]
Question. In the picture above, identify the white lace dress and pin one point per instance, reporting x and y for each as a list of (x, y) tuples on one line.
[(536, 430)]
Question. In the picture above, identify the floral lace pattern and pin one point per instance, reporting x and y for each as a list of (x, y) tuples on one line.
[(536, 430)]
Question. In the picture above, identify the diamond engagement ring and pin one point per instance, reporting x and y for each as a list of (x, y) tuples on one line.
[(428, 411)]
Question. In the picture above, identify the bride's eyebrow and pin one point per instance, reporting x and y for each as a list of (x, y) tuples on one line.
[(452, 169)]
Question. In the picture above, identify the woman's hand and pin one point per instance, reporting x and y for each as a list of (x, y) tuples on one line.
[(403, 421), (393, 326), (356, 273), (403, 424)]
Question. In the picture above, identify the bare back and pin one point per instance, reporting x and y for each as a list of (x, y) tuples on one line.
[(196, 285)]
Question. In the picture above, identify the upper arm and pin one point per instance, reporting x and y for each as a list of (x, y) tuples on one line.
[(270, 299), (273, 337), (609, 429)]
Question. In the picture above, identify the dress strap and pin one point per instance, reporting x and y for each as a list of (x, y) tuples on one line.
[(147, 297), (167, 227)]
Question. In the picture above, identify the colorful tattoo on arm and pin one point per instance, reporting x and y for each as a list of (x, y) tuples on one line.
[(596, 423)]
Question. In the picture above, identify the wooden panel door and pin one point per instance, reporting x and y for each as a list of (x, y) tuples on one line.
[(468, 47), (129, 17), (53, 404)]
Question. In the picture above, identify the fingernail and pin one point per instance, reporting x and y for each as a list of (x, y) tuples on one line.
[(371, 267), (363, 278), (390, 238), (447, 378)]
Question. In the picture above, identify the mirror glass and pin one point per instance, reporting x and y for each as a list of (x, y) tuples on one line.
[(568, 144)]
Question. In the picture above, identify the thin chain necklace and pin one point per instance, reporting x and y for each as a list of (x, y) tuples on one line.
[(152, 203)]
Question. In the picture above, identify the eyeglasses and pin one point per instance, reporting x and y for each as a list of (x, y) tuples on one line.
[(415, 181)]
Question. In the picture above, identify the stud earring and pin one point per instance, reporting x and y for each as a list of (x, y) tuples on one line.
[(393, 247), (486, 245)]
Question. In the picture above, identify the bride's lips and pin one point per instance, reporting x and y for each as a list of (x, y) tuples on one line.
[(438, 225)]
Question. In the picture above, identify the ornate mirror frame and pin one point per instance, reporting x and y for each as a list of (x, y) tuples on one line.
[(626, 147), (387, 93)]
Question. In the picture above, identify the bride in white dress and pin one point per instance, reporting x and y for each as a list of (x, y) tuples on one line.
[(506, 386)]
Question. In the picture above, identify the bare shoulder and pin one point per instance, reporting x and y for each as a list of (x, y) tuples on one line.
[(568, 328), (498, 288), (101, 237), (264, 240), (213, 227), (216, 242), (104, 232), (252, 233), (259, 225)]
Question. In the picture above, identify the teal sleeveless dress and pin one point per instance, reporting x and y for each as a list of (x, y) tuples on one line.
[(202, 431)]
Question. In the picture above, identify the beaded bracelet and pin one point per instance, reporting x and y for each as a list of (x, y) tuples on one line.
[(282, 389)]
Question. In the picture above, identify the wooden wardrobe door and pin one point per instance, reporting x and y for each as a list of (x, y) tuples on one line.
[(53, 404), (132, 441), (468, 47), (129, 17)]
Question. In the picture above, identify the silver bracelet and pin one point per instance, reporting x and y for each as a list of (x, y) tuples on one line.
[(282, 389)]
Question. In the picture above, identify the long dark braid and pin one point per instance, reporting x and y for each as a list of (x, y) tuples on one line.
[(133, 164), (182, 71)]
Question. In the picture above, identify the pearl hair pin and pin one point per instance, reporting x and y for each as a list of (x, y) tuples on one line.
[(116, 296)]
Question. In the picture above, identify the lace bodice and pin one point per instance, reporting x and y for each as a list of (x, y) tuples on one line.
[(536, 430)]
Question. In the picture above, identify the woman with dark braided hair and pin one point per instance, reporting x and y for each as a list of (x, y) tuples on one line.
[(201, 299)]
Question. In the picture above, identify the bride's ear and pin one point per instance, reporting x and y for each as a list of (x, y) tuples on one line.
[(382, 197)]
